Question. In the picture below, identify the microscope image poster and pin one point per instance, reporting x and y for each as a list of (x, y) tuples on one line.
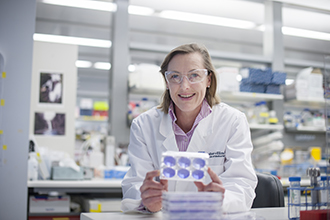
[(49, 123), (51, 88)]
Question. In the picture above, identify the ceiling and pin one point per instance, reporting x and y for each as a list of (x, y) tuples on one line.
[(156, 31)]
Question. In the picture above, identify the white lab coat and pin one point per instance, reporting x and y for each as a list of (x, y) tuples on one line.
[(224, 134)]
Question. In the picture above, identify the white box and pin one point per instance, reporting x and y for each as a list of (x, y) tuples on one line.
[(49, 204), (101, 204), (227, 79)]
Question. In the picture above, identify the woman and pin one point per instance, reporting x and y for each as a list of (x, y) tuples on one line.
[(190, 118)]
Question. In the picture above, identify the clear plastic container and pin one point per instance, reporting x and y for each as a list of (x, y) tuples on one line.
[(263, 113), (323, 183), (32, 167), (306, 117), (294, 198)]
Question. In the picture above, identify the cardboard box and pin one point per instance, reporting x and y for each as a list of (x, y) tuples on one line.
[(49, 204)]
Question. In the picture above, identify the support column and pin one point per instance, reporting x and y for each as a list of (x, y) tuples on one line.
[(273, 45), (118, 80)]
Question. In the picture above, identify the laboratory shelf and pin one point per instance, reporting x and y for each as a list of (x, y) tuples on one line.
[(267, 126), (308, 129), (92, 118), (305, 103), (249, 96)]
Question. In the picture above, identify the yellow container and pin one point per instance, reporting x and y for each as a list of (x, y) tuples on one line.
[(316, 153)]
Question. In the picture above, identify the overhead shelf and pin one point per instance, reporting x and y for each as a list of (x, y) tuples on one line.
[(305, 103), (266, 126), (249, 96), (309, 129)]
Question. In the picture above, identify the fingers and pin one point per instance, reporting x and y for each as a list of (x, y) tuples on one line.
[(214, 176), (150, 175), (164, 182), (200, 186)]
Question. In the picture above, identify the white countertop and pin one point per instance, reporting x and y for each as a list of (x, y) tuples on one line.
[(254, 214)]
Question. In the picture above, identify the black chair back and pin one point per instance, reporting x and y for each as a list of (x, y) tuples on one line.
[(269, 192)]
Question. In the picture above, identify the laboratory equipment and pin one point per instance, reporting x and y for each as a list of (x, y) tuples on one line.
[(294, 198), (188, 166), (314, 173)]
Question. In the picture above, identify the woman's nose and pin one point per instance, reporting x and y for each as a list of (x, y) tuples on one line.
[(185, 82)]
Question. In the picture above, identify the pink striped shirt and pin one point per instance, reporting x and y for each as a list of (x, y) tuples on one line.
[(182, 138)]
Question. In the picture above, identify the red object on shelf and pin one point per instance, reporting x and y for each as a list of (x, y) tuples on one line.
[(100, 113), (53, 217), (314, 214)]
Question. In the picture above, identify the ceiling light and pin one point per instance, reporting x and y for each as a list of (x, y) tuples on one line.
[(305, 33), (207, 19), (83, 64), (139, 10), (72, 40), (102, 65), (95, 5)]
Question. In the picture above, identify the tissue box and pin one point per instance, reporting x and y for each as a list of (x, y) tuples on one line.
[(273, 89), (250, 87), (49, 204), (259, 76), (278, 78), (66, 173)]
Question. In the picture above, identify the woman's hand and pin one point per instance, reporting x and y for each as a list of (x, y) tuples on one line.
[(151, 191), (214, 186)]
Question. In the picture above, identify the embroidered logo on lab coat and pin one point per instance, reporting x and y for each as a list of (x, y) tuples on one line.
[(217, 154)]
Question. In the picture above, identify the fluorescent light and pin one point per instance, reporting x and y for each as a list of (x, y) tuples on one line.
[(95, 5), (297, 32), (206, 19), (72, 40), (139, 10), (305, 33), (102, 65), (289, 81), (83, 64)]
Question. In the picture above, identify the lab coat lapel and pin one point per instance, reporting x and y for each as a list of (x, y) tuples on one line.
[(165, 129), (203, 129)]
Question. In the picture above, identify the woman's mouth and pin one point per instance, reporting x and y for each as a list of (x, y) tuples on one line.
[(186, 96)]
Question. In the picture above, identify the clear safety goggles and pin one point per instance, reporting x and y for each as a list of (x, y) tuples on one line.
[(193, 76)]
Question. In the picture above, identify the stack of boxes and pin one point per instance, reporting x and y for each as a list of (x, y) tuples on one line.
[(261, 80)]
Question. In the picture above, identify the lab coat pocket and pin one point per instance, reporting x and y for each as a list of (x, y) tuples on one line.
[(216, 164)]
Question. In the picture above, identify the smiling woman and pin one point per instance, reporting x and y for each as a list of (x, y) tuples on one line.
[(190, 119)]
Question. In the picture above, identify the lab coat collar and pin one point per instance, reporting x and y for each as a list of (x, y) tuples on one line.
[(197, 142)]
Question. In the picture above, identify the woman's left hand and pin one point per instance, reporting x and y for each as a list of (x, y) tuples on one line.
[(214, 186)]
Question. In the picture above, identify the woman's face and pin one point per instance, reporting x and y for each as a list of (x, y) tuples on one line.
[(186, 96)]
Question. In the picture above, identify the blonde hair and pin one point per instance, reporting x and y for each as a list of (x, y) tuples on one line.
[(210, 95)]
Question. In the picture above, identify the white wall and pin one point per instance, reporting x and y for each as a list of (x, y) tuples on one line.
[(55, 58), (17, 24)]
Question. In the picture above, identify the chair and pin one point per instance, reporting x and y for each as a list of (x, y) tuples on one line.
[(269, 192)]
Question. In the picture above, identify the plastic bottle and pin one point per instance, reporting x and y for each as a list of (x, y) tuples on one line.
[(306, 117), (263, 113), (323, 183), (32, 167), (288, 120), (294, 198)]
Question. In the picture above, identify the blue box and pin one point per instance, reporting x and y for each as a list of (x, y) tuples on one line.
[(86, 112), (251, 87), (278, 78), (259, 76), (273, 89)]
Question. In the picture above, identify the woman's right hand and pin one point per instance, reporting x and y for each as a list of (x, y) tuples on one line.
[(151, 191)]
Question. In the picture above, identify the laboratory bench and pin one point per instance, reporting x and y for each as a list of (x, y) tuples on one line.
[(255, 214)]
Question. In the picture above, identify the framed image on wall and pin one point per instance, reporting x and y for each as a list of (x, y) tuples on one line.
[(49, 123), (51, 88)]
